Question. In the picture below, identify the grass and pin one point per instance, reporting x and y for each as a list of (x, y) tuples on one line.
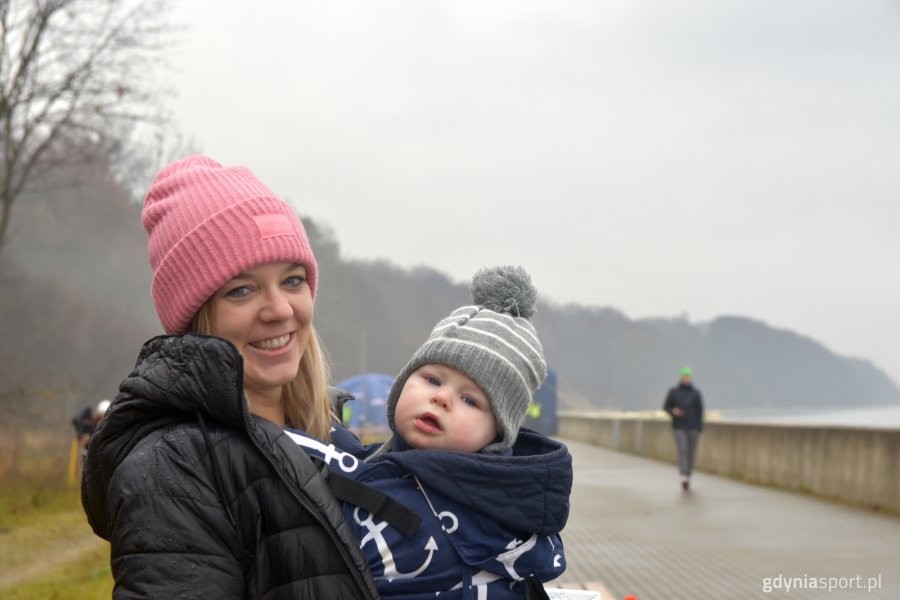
[(48, 550), (23, 504), (86, 578)]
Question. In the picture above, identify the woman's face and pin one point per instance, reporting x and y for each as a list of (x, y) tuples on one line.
[(266, 312)]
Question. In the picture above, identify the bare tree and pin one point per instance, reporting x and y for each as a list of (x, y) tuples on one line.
[(76, 78)]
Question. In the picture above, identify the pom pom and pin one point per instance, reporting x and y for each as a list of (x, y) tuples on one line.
[(505, 290)]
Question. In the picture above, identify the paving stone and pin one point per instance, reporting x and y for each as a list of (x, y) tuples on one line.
[(633, 530)]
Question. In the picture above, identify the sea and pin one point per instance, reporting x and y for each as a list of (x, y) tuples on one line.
[(880, 417)]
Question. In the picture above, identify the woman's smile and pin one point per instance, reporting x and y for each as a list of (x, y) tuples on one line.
[(275, 343)]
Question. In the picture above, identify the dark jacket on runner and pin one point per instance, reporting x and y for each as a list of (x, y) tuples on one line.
[(200, 499), (686, 397)]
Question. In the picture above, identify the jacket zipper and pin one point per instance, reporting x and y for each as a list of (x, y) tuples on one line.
[(345, 555)]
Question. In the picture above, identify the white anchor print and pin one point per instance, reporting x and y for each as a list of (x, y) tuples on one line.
[(391, 572)]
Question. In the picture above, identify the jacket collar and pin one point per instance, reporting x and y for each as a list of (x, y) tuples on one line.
[(526, 490), (175, 376)]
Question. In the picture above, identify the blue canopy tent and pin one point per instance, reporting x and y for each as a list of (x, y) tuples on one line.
[(367, 415)]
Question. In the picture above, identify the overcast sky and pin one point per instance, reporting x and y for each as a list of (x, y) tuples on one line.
[(663, 158)]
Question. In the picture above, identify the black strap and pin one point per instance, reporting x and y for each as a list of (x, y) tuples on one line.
[(377, 503), (534, 589)]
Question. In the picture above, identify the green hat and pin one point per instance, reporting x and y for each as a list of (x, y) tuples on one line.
[(687, 372)]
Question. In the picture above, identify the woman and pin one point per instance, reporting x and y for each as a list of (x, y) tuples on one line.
[(190, 476)]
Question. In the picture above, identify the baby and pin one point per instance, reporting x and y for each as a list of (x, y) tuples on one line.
[(492, 498)]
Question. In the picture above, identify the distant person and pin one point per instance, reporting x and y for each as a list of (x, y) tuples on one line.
[(86, 422), (685, 404), (492, 498)]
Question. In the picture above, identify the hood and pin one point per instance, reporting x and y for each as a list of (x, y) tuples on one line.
[(174, 377), (526, 490)]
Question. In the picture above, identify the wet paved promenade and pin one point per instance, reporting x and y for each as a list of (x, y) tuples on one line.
[(633, 529)]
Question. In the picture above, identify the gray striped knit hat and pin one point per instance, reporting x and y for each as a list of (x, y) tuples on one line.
[(494, 343)]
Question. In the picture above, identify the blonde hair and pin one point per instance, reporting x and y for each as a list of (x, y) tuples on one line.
[(307, 402)]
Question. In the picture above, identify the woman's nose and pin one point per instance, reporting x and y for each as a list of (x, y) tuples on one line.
[(277, 307)]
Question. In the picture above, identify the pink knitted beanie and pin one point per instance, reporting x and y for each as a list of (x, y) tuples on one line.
[(207, 223)]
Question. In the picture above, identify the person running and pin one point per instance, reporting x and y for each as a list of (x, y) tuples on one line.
[(685, 404)]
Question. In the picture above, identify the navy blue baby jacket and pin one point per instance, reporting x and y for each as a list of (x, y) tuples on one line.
[(489, 521)]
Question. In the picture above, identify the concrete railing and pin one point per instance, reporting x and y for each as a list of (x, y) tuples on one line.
[(854, 465)]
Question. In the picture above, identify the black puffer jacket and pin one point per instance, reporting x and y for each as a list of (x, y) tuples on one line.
[(201, 500)]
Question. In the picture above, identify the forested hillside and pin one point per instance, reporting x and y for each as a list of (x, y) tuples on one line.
[(76, 307), (373, 315)]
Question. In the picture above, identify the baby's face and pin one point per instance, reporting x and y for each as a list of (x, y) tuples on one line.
[(442, 409)]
